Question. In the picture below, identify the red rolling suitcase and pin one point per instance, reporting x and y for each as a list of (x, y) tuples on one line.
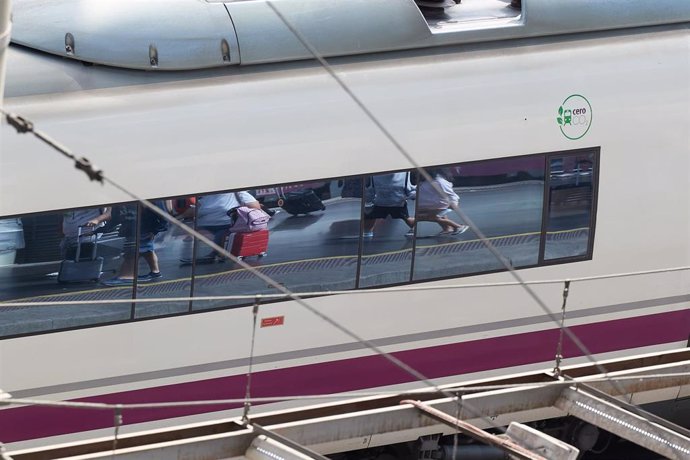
[(250, 244)]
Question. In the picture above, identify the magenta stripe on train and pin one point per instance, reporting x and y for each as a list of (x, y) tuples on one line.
[(33, 422)]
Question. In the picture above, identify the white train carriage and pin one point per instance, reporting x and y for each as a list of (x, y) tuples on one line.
[(562, 126)]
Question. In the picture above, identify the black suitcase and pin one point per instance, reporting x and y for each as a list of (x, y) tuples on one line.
[(82, 268), (302, 202)]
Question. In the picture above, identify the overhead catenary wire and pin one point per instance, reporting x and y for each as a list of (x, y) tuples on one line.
[(420, 170), (25, 126), (268, 296), (97, 175)]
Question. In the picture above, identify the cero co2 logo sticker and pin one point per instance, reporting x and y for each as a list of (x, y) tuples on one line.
[(574, 116)]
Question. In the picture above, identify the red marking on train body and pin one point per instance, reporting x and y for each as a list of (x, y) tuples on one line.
[(273, 321)]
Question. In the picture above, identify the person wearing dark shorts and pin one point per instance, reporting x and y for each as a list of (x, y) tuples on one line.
[(396, 212), (390, 194), (150, 225)]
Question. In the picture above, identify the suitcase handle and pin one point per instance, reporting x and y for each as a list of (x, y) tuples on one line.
[(80, 233)]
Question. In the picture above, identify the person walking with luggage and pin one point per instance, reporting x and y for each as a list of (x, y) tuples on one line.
[(89, 220), (150, 225), (78, 247), (434, 207), (213, 221), (390, 194)]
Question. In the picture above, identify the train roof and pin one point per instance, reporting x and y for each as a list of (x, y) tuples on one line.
[(195, 34)]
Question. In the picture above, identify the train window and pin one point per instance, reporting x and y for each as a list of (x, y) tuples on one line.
[(326, 235), (161, 270), (387, 235), (65, 257), (213, 274), (504, 200), (311, 242), (568, 223)]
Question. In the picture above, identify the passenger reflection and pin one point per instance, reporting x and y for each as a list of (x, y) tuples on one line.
[(81, 230), (150, 225), (214, 222), (92, 219), (433, 206), (388, 195)]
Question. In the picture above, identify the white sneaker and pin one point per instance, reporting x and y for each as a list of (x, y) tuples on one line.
[(368, 234)]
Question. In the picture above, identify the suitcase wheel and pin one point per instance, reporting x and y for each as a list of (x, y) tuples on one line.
[(263, 254), (239, 257)]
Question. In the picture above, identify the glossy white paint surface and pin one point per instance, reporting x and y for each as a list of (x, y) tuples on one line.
[(185, 34), (249, 128)]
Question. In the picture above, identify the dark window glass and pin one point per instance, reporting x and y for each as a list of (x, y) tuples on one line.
[(571, 193), (387, 237), (318, 236), (502, 197), (64, 256), (312, 241)]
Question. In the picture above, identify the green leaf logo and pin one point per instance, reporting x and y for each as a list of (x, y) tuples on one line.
[(574, 116)]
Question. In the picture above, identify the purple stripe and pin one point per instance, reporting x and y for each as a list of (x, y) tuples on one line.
[(32, 422)]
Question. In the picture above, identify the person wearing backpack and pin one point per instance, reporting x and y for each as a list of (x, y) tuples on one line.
[(212, 219), (247, 220)]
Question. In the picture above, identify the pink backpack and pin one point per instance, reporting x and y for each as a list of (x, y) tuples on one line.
[(249, 220)]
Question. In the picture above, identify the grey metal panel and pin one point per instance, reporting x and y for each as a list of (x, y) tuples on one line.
[(541, 18), (185, 34), (334, 28), (361, 26), (552, 17)]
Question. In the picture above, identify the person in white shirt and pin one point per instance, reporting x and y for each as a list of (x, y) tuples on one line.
[(433, 207), (212, 217), (89, 219)]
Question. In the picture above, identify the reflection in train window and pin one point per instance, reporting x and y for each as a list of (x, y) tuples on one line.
[(213, 274), (311, 243), (571, 193), (159, 271), (66, 256), (387, 229), (318, 236), (502, 197)]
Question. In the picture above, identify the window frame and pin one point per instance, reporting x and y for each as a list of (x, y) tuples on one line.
[(589, 255)]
